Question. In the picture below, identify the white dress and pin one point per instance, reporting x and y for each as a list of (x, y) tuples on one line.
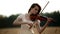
[(24, 27)]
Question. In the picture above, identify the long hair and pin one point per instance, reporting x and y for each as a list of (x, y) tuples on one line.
[(33, 5)]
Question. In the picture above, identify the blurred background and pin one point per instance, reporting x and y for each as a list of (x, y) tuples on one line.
[(11, 9)]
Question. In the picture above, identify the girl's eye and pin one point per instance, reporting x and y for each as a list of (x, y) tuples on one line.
[(36, 9)]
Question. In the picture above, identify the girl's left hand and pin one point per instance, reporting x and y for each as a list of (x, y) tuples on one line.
[(49, 20)]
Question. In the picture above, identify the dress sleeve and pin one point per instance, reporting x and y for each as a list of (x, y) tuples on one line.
[(18, 19)]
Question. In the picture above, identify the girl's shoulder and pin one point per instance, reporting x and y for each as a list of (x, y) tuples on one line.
[(20, 15)]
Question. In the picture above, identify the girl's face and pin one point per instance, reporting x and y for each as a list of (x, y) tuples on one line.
[(34, 10)]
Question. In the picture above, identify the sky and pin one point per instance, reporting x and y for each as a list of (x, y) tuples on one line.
[(9, 7)]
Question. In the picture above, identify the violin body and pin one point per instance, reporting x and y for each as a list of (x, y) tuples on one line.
[(41, 18)]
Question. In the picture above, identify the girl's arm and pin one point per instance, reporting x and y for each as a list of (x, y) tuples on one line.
[(19, 21), (48, 21)]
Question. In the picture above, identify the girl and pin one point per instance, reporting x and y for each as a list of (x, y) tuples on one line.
[(29, 24)]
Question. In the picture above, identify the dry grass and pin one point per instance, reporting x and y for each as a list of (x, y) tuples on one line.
[(48, 30), (52, 30)]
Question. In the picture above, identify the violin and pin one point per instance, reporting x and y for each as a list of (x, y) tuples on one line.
[(41, 18), (37, 17)]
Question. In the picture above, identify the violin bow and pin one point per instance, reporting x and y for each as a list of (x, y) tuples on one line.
[(44, 7)]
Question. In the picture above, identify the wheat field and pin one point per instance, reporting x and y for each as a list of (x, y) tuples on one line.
[(48, 30)]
